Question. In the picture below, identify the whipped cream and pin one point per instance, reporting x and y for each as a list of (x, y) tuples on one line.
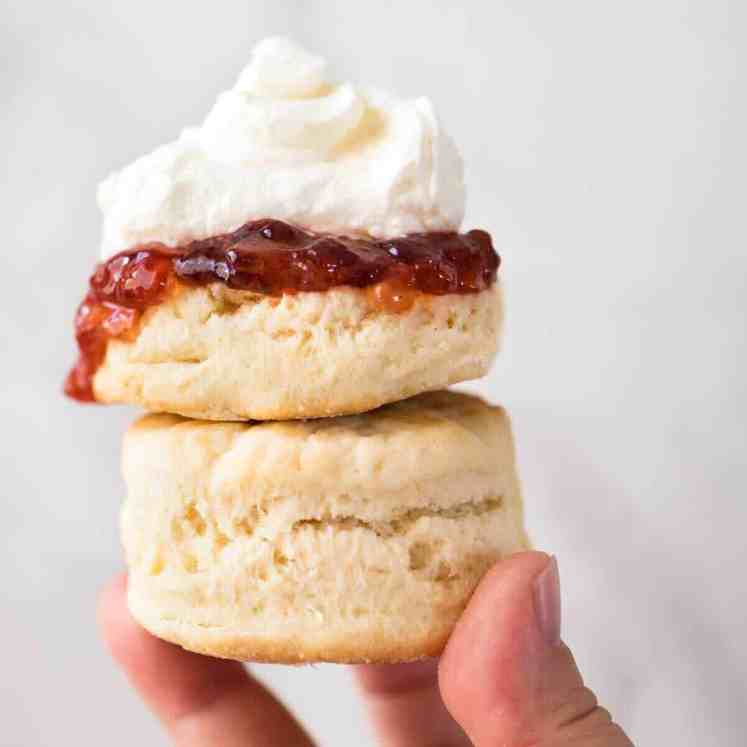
[(287, 143)]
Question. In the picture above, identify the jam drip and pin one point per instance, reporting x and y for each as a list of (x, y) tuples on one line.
[(273, 258)]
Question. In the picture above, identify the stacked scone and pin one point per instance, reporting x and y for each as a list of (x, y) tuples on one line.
[(290, 276)]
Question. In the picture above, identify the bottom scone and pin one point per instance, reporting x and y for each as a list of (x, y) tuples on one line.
[(351, 539)]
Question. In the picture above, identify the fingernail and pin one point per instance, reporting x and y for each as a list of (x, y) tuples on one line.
[(547, 602)]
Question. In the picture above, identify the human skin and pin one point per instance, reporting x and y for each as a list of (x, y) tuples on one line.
[(505, 679)]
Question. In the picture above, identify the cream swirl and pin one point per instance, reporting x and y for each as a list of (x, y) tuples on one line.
[(286, 143)]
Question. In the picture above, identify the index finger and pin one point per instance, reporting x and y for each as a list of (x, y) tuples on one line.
[(406, 705), (200, 700)]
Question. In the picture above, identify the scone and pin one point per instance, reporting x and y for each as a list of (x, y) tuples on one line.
[(299, 255), (344, 540)]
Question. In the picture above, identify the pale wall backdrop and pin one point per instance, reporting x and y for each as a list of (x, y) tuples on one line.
[(604, 146)]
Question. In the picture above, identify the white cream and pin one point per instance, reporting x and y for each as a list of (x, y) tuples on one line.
[(286, 143)]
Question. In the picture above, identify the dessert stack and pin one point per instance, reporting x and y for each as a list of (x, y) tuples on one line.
[(287, 291)]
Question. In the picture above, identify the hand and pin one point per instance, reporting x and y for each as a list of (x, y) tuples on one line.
[(505, 679)]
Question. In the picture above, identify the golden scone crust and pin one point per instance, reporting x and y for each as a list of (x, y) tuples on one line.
[(347, 540), (219, 354)]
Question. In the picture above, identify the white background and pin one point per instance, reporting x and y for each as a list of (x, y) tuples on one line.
[(604, 144)]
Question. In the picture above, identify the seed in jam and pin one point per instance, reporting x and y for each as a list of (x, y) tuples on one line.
[(392, 298), (273, 258)]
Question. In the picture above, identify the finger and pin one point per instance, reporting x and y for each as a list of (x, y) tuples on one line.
[(201, 701), (507, 677), (406, 706)]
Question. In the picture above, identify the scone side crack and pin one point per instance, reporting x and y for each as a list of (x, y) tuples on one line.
[(402, 522), (423, 546), (272, 259), (200, 526)]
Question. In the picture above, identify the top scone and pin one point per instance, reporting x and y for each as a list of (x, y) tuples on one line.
[(296, 256)]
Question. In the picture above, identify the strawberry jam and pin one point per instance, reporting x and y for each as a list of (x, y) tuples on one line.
[(273, 258)]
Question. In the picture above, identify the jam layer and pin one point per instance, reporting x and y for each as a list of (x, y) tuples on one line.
[(273, 258)]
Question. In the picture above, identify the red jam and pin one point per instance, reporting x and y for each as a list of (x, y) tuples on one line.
[(273, 258)]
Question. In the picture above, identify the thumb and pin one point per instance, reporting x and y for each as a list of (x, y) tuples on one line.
[(507, 678)]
